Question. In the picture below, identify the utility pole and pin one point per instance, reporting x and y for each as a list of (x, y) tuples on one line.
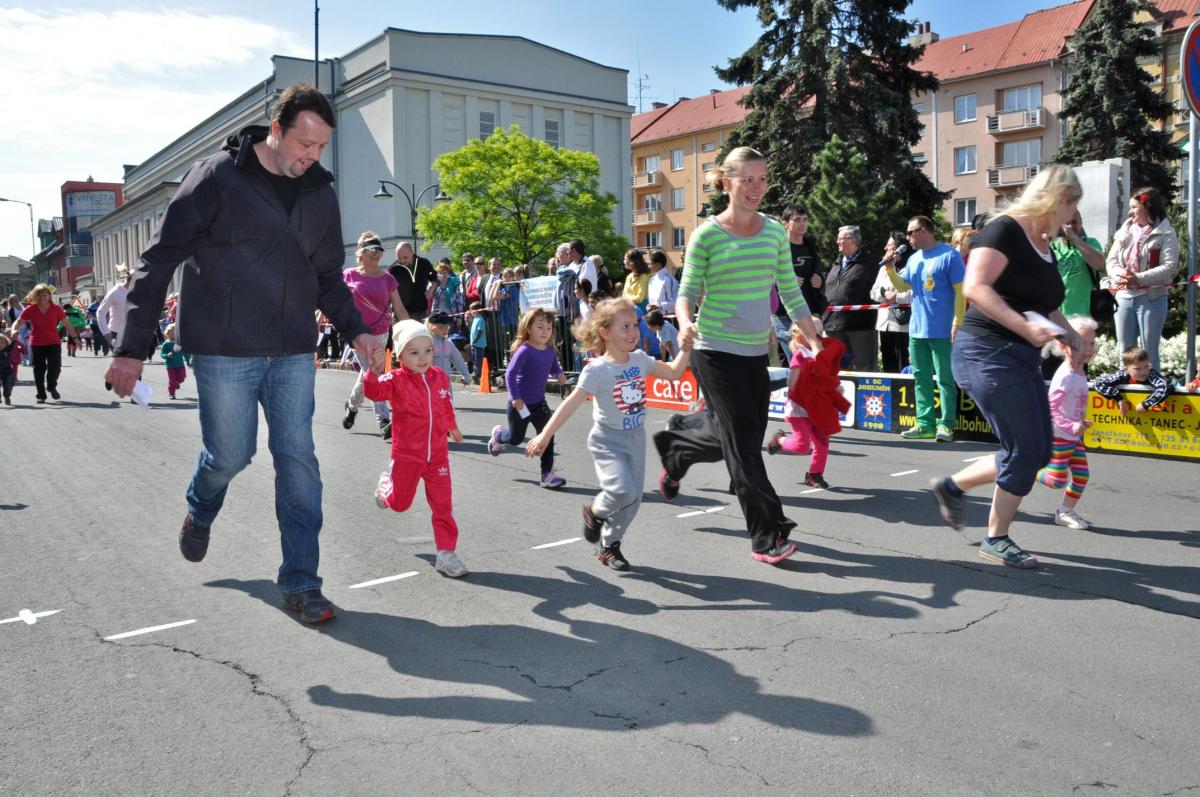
[(317, 45)]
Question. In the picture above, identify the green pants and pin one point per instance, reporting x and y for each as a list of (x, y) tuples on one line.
[(930, 356)]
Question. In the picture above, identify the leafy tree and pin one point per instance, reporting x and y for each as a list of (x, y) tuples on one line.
[(517, 198), (843, 194), (1110, 100), (833, 67)]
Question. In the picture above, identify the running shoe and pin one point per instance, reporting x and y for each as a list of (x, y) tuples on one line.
[(781, 550), (668, 488), (385, 428), (552, 481), (950, 506), (944, 434), (611, 556), (1069, 518), (193, 539), (311, 604), (54, 394), (917, 433), (348, 418), (449, 565), (773, 445), (1004, 551), (816, 480), (381, 489), (592, 524), (496, 441)]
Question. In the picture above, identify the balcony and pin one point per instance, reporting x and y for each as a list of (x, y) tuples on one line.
[(1010, 175), (1015, 121), (647, 218), (646, 179)]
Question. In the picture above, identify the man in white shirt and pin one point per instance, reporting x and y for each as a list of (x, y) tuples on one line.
[(585, 269), (110, 314), (663, 288)]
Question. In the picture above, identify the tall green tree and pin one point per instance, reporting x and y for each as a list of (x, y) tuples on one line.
[(1111, 102), (845, 194), (833, 67), (517, 198)]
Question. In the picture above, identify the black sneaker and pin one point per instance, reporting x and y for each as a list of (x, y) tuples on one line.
[(773, 445), (668, 488), (385, 428), (54, 394), (348, 418), (592, 524), (950, 506), (193, 540), (611, 555), (816, 480), (311, 604)]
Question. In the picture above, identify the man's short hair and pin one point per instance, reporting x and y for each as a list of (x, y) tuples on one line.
[(794, 210), (300, 97), (851, 231), (577, 246), (924, 222), (658, 256)]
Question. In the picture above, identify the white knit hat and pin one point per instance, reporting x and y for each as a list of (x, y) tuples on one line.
[(404, 332)]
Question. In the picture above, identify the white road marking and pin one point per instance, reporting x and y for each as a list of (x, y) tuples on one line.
[(691, 514), (976, 459), (813, 490), (149, 630), (905, 472), (28, 617), (555, 544), (715, 509), (383, 580)]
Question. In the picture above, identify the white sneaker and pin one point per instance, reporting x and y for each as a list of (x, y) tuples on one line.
[(496, 441), (383, 487), (1068, 518), (448, 564)]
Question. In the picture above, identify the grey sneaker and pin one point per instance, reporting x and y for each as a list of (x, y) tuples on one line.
[(949, 505), (496, 441), (1004, 551), (944, 434), (448, 564)]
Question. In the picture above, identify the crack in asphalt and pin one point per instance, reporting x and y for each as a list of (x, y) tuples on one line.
[(708, 757), (1180, 790), (256, 687), (1096, 784), (532, 680)]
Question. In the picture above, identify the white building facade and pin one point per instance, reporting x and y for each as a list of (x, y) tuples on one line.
[(402, 99)]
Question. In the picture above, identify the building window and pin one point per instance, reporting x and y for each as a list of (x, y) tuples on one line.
[(552, 132), (653, 240), (487, 123), (708, 167), (709, 147), (918, 157), (652, 202), (1021, 153), (678, 238), (964, 109), (1024, 98), (676, 160), (676, 199), (964, 160), (651, 163), (919, 108), (964, 212)]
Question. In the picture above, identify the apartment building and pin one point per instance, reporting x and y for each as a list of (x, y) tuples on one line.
[(672, 147)]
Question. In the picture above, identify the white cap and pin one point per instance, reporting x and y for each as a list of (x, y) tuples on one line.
[(404, 332)]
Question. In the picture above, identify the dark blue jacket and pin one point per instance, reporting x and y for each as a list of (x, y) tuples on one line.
[(253, 275)]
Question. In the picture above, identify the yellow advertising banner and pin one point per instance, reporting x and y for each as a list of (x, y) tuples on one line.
[(1171, 429)]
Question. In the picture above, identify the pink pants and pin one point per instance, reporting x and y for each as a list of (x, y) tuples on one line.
[(400, 489), (805, 438), (175, 378)]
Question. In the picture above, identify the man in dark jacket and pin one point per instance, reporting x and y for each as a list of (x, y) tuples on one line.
[(258, 231), (415, 279), (849, 281)]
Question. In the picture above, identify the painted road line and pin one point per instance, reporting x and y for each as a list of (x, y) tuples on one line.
[(813, 490), (976, 459), (28, 617), (906, 473), (715, 509), (555, 544), (691, 514), (383, 580), (149, 630)]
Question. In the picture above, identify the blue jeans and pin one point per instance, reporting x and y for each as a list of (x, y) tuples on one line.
[(1141, 316), (231, 390), (1003, 378), (783, 332)]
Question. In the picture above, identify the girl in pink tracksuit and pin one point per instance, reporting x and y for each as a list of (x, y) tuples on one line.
[(423, 417)]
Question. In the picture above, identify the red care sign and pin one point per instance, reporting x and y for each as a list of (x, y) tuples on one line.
[(679, 395), (1189, 66)]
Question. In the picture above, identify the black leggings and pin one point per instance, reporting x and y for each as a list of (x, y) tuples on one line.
[(47, 365), (737, 393), (539, 416)]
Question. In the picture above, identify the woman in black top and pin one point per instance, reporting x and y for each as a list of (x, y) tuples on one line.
[(1011, 274)]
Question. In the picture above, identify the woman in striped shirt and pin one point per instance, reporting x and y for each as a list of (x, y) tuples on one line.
[(731, 263)]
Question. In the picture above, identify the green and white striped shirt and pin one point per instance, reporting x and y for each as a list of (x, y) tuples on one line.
[(734, 276)]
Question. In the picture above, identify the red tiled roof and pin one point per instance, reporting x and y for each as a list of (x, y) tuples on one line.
[(1176, 14), (689, 116), (1040, 36)]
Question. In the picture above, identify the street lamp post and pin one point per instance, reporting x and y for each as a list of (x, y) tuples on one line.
[(414, 201), (32, 229)]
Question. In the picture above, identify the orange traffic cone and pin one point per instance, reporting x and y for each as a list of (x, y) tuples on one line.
[(485, 379)]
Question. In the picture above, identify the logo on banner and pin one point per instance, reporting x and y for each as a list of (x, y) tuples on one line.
[(875, 404)]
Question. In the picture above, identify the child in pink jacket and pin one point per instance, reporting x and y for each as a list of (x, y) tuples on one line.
[(1068, 465)]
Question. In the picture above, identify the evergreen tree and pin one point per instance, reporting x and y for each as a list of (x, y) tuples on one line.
[(833, 67), (843, 193), (1110, 101)]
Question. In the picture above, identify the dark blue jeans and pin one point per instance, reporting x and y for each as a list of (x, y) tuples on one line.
[(539, 416), (1003, 378), (230, 391)]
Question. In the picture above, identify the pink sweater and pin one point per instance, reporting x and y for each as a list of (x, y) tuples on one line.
[(1068, 402)]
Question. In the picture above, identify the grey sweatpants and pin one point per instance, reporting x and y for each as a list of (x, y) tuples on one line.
[(620, 457)]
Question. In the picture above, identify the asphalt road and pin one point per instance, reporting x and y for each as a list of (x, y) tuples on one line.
[(886, 658)]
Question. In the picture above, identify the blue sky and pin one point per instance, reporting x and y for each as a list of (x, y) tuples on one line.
[(88, 89)]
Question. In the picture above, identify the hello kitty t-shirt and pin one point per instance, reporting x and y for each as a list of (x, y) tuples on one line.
[(618, 390)]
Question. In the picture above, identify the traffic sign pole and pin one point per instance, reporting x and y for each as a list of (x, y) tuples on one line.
[(1189, 73)]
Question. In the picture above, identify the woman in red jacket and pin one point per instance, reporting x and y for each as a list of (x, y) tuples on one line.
[(43, 317)]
